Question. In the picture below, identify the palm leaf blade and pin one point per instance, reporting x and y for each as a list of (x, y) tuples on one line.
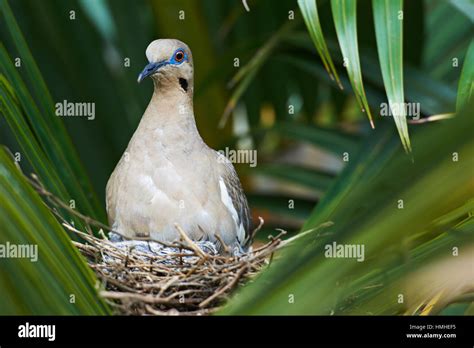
[(310, 14), (466, 81), (344, 14), (362, 204), (48, 285), (388, 17), (47, 127)]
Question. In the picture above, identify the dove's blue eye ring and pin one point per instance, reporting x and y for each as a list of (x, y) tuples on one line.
[(179, 56)]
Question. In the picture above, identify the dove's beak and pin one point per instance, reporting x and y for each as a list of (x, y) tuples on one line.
[(150, 69)]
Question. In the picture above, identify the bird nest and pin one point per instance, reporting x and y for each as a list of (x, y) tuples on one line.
[(183, 278), (139, 277)]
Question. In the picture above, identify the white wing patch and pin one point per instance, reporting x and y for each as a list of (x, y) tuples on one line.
[(227, 200)]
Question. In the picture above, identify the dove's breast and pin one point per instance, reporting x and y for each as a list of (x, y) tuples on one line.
[(155, 187)]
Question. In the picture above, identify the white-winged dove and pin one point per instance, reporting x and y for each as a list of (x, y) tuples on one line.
[(168, 175)]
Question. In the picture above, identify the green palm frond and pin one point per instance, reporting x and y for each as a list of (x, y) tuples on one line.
[(390, 206), (310, 14), (345, 14), (466, 81), (38, 121), (388, 17), (55, 279)]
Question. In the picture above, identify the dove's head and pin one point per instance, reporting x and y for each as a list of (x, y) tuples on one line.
[(170, 64)]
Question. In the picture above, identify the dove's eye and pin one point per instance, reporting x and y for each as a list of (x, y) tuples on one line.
[(179, 56)]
